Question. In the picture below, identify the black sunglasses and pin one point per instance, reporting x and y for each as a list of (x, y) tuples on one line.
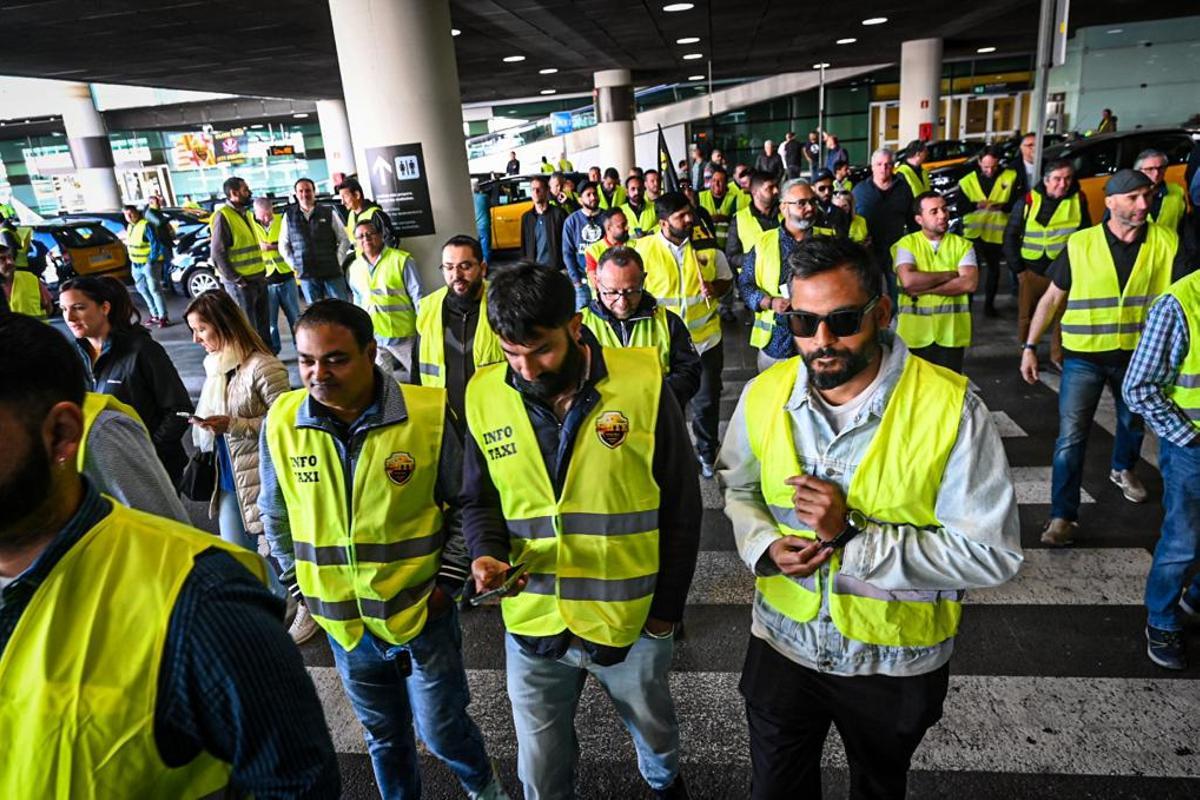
[(846, 322)]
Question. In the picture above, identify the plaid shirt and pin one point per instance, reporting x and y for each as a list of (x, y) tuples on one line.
[(1155, 365)]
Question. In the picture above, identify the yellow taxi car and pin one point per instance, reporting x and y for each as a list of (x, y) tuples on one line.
[(948, 152), (508, 200), (64, 250)]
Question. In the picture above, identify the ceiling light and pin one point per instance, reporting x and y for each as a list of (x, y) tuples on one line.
[(548, 91), (670, 8), (548, 71), (513, 59), (455, 32), (299, 116), (256, 126), (986, 50), (693, 56), (696, 77), (850, 40), (688, 40), (822, 65), (1115, 30), (874, 21)]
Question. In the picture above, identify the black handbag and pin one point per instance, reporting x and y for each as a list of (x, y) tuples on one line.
[(199, 478)]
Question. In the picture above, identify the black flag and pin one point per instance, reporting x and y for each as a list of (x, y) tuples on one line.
[(666, 167)]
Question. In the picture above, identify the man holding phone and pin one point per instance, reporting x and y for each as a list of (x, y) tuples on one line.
[(867, 489), (578, 467)]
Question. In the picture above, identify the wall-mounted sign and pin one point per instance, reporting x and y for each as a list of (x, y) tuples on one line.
[(399, 185)]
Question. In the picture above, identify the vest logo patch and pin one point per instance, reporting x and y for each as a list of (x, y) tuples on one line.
[(400, 467), (612, 427)]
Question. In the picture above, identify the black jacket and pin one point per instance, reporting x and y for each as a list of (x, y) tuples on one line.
[(460, 320), (684, 378), (136, 370), (555, 217), (1014, 231)]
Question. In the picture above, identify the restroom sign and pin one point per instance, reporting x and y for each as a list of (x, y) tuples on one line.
[(399, 185)]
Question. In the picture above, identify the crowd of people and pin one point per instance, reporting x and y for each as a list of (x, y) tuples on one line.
[(521, 436)]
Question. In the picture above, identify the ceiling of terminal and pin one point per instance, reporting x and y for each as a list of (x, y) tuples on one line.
[(288, 50)]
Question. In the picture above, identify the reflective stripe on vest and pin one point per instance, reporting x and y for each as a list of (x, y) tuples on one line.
[(244, 255), (384, 295), (642, 224), (592, 549), (431, 361), (1185, 391), (896, 482), (94, 404), (987, 225), (1172, 208), (677, 288), (272, 259), (917, 183), (77, 718), (934, 318), (721, 214), (137, 244), (1049, 241), (653, 332), (1099, 316), (26, 297), (366, 554)]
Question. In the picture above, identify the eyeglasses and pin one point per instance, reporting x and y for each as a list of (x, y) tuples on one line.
[(803, 202), (846, 322), (614, 294)]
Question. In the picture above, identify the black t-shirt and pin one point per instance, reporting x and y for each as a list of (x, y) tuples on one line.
[(1124, 256)]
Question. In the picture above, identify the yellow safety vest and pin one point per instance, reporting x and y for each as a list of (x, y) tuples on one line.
[(94, 404), (720, 213), (367, 554), (272, 259), (137, 244), (1173, 207), (26, 297), (1049, 241), (934, 318), (352, 220), (768, 275), (598, 248), (244, 254), (592, 550), (858, 229), (1099, 315), (844, 185), (384, 295), (78, 678), (678, 288), (565, 166), (917, 183), (987, 225), (485, 346), (748, 228), (1185, 392), (652, 331), (24, 237), (642, 224), (897, 482), (618, 198)]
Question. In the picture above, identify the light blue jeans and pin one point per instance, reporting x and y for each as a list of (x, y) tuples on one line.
[(1179, 546), (433, 697), (145, 278), (233, 530), (282, 296), (545, 694), (320, 288)]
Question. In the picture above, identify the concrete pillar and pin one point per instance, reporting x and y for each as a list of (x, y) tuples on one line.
[(335, 136), (88, 139), (416, 99), (615, 111), (920, 82)]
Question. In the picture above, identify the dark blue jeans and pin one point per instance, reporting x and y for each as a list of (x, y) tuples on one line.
[(1082, 384), (434, 697), (319, 288), (1179, 546), (282, 296)]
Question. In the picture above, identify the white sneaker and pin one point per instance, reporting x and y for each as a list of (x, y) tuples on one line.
[(1130, 485), (304, 627)]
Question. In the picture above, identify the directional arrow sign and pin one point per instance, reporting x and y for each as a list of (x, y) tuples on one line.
[(379, 167), (399, 185)]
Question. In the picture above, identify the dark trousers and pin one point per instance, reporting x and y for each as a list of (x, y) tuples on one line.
[(789, 708), (989, 256), (706, 405), (948, 357), (252, 298)]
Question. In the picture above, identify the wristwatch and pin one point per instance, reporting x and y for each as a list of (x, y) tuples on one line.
[(856, 523), (1028, 346)]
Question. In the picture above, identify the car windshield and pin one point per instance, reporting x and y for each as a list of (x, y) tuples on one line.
[(83, 236)]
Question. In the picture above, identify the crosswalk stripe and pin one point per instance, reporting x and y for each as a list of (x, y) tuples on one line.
[(1007, 427), (1083, 726), (1083, 576), (1033, 486)]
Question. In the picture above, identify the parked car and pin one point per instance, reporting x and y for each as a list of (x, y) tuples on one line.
[(509, 198), (60, 251), (192, 273)]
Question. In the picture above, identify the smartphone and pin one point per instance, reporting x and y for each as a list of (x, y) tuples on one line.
[(189, 416), (511, 575)]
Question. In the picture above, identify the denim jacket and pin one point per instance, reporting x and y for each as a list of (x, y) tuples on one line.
[(979, 545)]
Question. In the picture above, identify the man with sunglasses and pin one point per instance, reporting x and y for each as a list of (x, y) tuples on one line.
[(625, 315), (830, 215), (867, 489), (690, 281), (762, 271), (936, 272)]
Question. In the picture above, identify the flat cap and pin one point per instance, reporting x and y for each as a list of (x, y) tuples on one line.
[(1125, 181)]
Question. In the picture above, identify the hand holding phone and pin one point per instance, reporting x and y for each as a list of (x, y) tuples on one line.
[(510, 583)]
